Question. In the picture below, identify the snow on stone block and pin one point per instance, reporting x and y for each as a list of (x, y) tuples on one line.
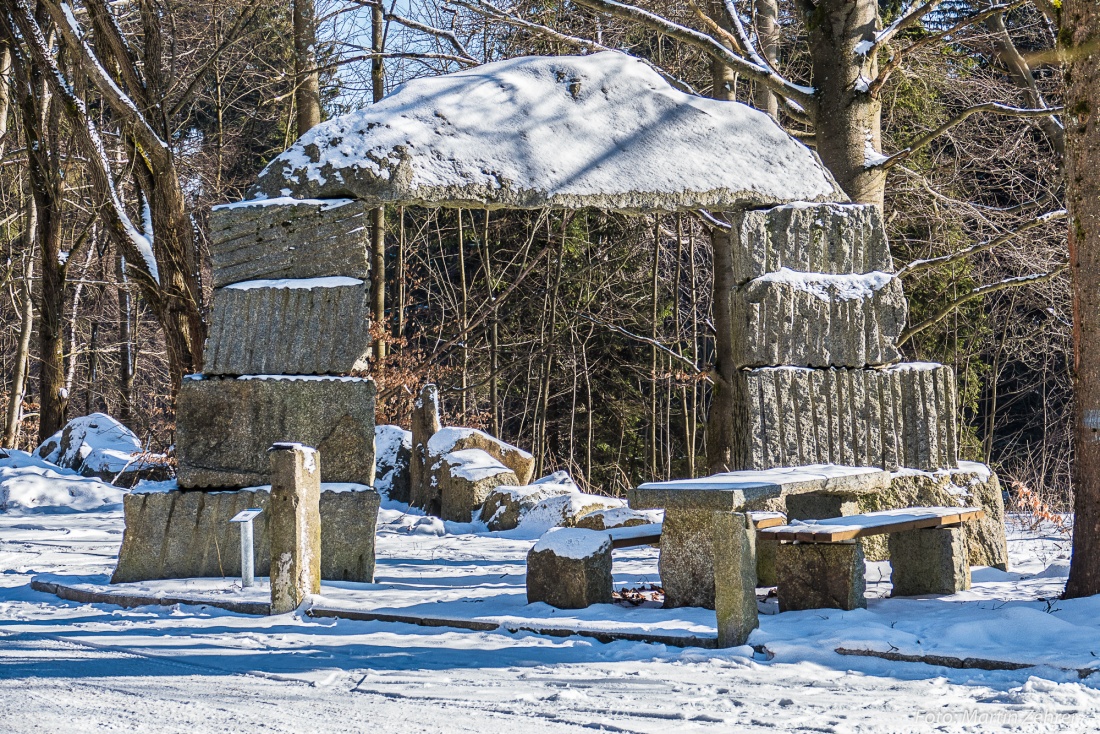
[(810, 238), (393, 452), (603, 130), (570, 568), (29, 484), (467, 477), (574, 543), (564, 511), (451, 439), (97, 445), (272, 327), (288, 238), (817, 320)]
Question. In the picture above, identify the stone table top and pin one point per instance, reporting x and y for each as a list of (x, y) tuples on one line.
[(732, 491)]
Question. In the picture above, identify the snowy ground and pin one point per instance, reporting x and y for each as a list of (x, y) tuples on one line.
[(69, 667)]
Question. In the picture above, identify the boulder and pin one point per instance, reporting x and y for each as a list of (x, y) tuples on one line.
[(318, 326), (224, 427), (466, 479), (565, 510), (393, 452), (288, 238), (97, 445), (177, 534), (449, 439), (570, 568), (970, 485), (505, 507), (820, 576), (619, 517)]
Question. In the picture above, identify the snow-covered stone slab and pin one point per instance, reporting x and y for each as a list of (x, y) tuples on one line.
[(603, 130), (288, 238), (810, 238), (898, 416), (224, 427), (293, 327), (176, 534), (467, 477), (819, 320), (731, 491)]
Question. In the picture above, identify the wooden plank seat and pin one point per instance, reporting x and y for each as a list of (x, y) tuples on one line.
[(819, 564)]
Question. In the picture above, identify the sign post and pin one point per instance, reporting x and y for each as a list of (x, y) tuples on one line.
[(248, 561)]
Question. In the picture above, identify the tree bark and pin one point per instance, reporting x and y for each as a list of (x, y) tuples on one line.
[(767, 30), (848, 122), (307, 89), (1078, 38), (26, 327), (378, 218), (726, 448)]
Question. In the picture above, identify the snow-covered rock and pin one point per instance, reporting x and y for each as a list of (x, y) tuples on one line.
[(619, 517), (603, 130), (466, 478), (392, 454), (97, 445), (28, 483), (450, 439), (506, 507)]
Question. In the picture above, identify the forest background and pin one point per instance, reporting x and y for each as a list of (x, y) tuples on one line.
[(122, 123)]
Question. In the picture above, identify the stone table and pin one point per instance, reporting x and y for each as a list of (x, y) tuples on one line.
[(687, 562)]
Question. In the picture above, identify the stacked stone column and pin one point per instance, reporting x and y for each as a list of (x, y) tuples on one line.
[(289, 330), (817, 313)]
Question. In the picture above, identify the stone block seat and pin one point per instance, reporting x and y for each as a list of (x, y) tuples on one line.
[(819, 564)]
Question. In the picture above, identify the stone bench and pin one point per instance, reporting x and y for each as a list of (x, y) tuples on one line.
[(819, 564), (687, 548)]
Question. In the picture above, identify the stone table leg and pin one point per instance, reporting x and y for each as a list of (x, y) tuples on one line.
[(294, 525), (929, 561), (687, 558), (734, 578)]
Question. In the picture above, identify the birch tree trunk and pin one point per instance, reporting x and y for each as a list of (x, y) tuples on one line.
[(307, 90), (26, 326), (378, 216)]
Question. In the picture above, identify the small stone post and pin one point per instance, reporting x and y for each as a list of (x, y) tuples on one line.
[(734, 577), (425, 424), (294, 526)]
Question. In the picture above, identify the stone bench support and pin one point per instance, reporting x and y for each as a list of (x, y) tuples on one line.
[(929, 561), (734, 577), (820, 576)]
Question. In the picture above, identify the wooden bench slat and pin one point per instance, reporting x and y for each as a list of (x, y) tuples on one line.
[(888, 521), (631, 537)]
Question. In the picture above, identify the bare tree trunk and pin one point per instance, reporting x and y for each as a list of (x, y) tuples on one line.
[(5, 91), (767, 30), (464, 317), (399, 277), (125, 345), (26, 327), (848, 124), (1078, 39), (729, 404), (653, 350), (493, 328), (378, 216), (307, 89)]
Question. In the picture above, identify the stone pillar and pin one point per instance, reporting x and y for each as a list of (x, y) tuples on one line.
[(686, 562), (820, 576), (766, 549), (294, 526), (425, 424), (929, 561), (734, 577), (570, 568)]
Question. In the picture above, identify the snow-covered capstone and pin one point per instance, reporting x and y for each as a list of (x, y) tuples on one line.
[(603, 131)]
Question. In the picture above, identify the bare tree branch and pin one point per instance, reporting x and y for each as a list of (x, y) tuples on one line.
[(974, 293), (995, 107)]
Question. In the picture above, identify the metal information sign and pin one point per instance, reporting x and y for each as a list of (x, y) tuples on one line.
[(248, 561)]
